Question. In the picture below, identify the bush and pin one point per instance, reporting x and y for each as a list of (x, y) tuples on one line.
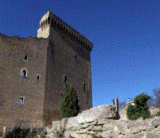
[(131, 112), (95, 135), (69, 102), (140, 109), (17, 133), (141, 100)]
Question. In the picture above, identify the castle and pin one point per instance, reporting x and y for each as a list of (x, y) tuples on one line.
[(34, 71)]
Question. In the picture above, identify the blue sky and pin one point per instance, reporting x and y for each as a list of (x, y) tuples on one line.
[(126, 36)]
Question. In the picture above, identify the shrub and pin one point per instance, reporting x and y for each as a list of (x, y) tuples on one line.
[(141, 100), (140, 109), (31, 135), (17, 133), (131, 113), (69, 102), (95, 135)]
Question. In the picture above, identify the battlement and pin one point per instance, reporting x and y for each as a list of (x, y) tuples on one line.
[(50, 19)]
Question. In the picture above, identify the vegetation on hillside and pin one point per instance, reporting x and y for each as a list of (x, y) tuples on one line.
[(18, 132), (140, 109), (152, 102)]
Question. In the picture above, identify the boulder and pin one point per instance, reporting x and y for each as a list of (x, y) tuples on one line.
[(97, 113), (123, 113), (56, 125), (71, 122)]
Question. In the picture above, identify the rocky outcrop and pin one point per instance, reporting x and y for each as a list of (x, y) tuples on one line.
[(102, 121), (154, 111), (97, 113)]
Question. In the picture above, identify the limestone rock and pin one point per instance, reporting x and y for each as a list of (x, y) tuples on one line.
[(96, 113), (100, 121), (71, 122), (137, 123), (155, 122), (123, 113), (56, 125), (97, 129), (153, 111)]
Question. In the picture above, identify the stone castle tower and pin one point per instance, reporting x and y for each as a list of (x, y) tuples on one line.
[(34, 71)]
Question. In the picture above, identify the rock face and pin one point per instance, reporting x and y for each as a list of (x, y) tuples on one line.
[(154, 111), (102, 121), (96, 113), (123, 113)]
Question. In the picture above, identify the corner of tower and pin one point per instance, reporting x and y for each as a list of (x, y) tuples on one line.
[(45, 22)]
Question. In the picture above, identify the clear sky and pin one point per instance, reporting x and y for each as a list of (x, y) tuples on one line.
[(125, 33)]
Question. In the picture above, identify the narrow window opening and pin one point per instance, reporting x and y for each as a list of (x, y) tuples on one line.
[(38, 77), (21, 100), (65, 79), (75, 57), (24, 73), (25, 58), (84, 87)]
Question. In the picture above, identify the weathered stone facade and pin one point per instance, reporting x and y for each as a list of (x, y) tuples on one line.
[(34, 71)]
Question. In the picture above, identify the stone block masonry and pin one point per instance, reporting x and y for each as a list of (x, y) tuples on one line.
[(35, 70)]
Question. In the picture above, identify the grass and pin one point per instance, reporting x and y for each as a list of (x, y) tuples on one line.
[(95, 135)]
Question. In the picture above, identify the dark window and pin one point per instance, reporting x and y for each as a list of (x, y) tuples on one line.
[(38, 77), (24, 73), (26, 58), (65, 79), (84, 87), (21, 100), (75, 57)]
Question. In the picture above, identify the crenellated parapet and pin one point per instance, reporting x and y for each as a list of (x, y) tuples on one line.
[(50, 19)]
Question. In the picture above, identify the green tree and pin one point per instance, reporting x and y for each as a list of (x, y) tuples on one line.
[(69, 102), (140, 109)]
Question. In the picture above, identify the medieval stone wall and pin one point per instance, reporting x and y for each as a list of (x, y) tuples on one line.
[(68, 62), (20, 54), (34, 72)]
